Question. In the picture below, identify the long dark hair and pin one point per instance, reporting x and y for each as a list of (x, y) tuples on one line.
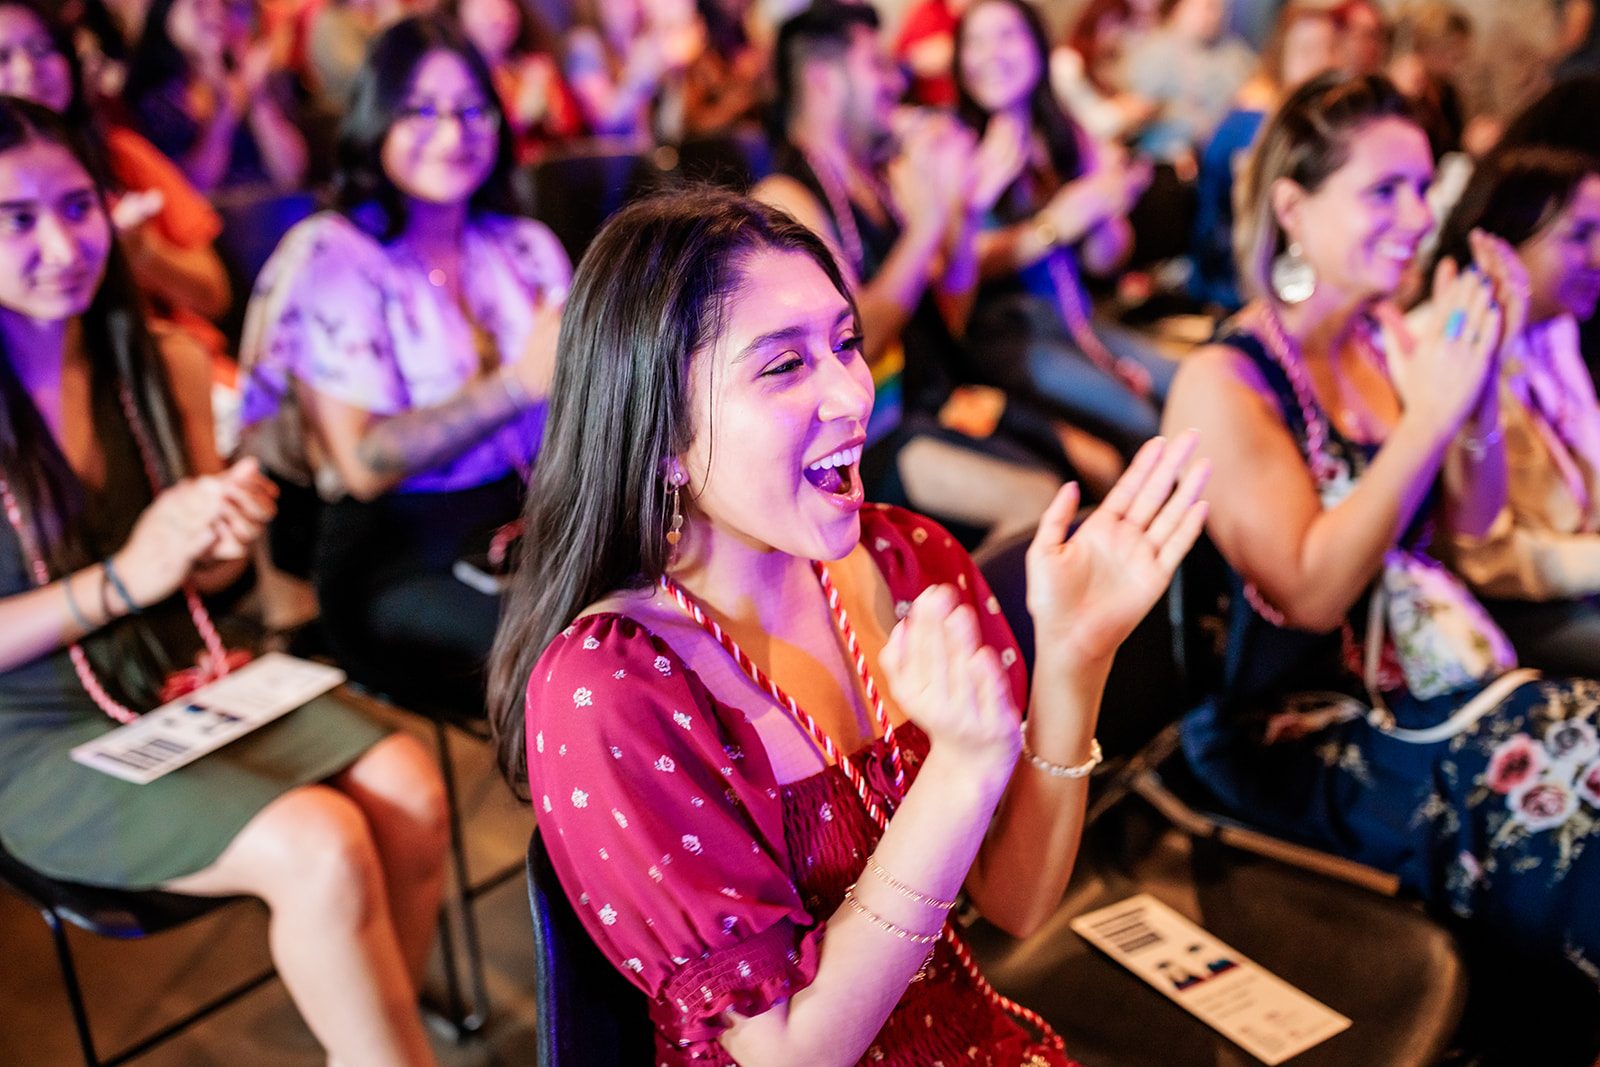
[(77, 113), (647, 297), (1048, 118), (376, 101), (156, 60), (122, 356), (1514, 194)]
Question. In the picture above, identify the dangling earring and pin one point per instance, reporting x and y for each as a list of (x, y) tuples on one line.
[(1293, 279), (675, 527)]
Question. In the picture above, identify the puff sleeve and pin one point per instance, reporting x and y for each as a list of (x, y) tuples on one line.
[(665, 825)]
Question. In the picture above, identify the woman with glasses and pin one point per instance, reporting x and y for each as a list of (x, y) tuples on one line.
[(396, 354)]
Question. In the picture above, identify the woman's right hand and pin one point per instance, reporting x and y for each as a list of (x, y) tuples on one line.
[(953, 687), (178, 528), (535, 366), (1439, 369)]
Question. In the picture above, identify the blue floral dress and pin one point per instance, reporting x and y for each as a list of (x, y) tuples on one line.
[(1499, 824)]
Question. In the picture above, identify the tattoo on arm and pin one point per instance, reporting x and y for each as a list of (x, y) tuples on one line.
[(420, 440)]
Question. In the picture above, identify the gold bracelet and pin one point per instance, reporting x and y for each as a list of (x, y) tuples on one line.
[(884, 924), (1057, 770), (1045, 232), (904, 890)]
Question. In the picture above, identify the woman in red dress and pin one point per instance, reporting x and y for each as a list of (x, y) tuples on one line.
[(771, 731)]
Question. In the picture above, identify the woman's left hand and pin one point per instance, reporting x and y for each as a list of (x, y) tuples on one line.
[(1086, 593)]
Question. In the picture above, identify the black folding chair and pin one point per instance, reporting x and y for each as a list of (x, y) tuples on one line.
[(121, 914), (588, 1014)]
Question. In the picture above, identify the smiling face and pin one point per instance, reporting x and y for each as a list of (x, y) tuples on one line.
[(780, 404), (199, 29), (443, 145), (1361, 228), (1000, 63), (1563, 258), (30, 66), (54, 234), (1310, 46)]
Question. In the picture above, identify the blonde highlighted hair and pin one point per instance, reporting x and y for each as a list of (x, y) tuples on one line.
[(1305, 140)]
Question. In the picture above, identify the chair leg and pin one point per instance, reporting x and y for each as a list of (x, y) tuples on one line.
[(69, 978), (465, 1022)]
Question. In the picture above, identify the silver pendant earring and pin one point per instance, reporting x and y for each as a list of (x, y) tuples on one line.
[(1293, 280)]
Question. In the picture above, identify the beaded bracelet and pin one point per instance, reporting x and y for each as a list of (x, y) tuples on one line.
[(1057, 770), (122, 590), (906, 891), (884, 924)]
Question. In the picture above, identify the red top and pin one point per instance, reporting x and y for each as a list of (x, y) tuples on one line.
[(925, 20), (705, 881)]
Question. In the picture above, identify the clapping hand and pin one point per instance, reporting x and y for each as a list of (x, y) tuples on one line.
[(1087, 592)]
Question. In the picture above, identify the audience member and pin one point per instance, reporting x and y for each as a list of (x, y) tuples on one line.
[(213, 99), (1366, 37), (1086, 74), (119, 516), (723, 84), (1103, 32), (616, 66), (1433, 40), (533, 95), (899, 228), (926, 44), (1541, 557), (1058, 207), (705, 435), (1303, 44), (338, 33), (166, 228), (396, 353), (1190, 68), (1369, 703)]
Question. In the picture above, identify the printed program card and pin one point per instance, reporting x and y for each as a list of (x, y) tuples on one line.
[(203, 721), (1255, 1009)]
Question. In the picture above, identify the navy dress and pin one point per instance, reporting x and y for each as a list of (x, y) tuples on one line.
[(1499, 824)]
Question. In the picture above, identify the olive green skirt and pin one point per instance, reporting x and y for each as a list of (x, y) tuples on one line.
[(75, 824)]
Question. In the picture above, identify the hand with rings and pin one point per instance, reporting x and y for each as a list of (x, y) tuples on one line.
[(1087, 592)]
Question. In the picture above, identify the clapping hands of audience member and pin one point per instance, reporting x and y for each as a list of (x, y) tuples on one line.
[(195, 523), (1087, 592), (930, 178), (1441, 368), (1000, 157), (952, 686), (535, 366), (1107, 191)]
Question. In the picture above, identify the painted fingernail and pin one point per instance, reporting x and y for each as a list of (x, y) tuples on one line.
[(1455, 324)]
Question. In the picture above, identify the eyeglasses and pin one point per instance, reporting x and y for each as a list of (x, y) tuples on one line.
[(475, 119)]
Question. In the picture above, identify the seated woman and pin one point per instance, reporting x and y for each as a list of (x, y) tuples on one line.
[(165, 226), (1063, 209), (763, 833), (1304, 43), (119, 516), (533, 95), (1540, 560), (1369, 704), (213, 99), (396, 353)]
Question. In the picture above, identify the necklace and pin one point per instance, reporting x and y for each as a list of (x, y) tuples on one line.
[(214, 664), (857, 780)]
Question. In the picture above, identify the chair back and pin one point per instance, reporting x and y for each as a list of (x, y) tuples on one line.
[(575, 194), (588, 1014)]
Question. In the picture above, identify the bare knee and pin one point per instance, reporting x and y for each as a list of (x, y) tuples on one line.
[(399, 789), (316, 851)]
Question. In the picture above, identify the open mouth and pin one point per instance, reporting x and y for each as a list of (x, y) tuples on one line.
[(838, 474)]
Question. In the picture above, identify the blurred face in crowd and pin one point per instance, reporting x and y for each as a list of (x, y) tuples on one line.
[(867, 88), (492, 26), (1000, 65), (620, 20), (443, 144), (1365, 41), (200, 29), (780, 402), (1199, 20), (30, 66), (1361, 228), (1310, 47), (1563, 258), (54, 234)]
